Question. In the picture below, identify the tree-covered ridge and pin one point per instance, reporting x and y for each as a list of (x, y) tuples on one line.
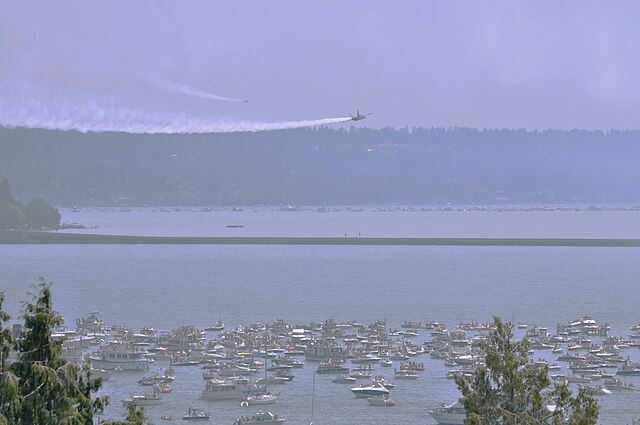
[(38, 213), (324, 167)]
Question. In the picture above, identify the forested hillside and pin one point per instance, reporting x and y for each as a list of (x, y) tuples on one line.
[(323, 167)]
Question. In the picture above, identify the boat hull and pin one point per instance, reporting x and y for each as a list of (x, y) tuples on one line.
[(366, 393), (107, 365)]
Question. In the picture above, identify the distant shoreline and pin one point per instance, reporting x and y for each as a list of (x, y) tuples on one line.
[(55, 238)]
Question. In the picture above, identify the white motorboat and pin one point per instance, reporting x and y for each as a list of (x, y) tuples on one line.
[(617, 385), (406, 374), (599, 390), (578, 379), (453, 414), (149, 399), (344, 379), (262, 418), (360, 375), (374, 390), (571, 358), (367, 359), (381, 401), (272, 380), (121, 357), (379, 379), (218, 326), (257, 399), (398, 356), (631, 370), (331, 367), (230, 389), (196, 414)]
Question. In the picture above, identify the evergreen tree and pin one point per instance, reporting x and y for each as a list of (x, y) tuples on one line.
[(5, 191), (9, 393), (15, 215), (11, 214), (509, 391), (51, 391), (135, 416), (39, 212)]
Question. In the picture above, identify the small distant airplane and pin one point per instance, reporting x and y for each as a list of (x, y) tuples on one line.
[(359, 116)]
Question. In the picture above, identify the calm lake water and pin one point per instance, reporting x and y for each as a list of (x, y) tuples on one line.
[(171, 285), (364, 221)]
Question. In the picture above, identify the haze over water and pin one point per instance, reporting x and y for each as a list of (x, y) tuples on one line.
[(170, 285), (147, 103), (377, 221)]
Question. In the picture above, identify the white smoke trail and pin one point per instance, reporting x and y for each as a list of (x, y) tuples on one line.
[(65, 111), (175, 87)]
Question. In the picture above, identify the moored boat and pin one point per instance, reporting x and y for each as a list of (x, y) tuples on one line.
[(196, 414), (617, 385), (453, 414), (231, 389), (373, 390), (344, 379), (262, 418), (381, 401), (121, 357), (218, 326), (258, 399), (149, 399)]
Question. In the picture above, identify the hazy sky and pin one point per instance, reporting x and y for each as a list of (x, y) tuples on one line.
[(536, 64)]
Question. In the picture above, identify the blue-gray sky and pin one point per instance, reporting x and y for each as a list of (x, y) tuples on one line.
[(535, 64)]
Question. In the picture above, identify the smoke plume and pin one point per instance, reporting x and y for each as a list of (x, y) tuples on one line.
[(51, 110), (175, 87)]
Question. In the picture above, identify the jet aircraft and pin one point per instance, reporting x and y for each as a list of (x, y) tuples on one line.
[(359, 116)]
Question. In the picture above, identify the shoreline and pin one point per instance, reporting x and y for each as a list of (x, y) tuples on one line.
[(56, 238)]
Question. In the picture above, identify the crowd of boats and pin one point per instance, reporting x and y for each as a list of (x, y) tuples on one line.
[(243, 364)]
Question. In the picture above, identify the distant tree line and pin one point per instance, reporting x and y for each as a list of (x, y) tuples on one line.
[(324, 166), (15, 215)]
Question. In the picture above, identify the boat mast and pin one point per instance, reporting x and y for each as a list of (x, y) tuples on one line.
[(313, 397)]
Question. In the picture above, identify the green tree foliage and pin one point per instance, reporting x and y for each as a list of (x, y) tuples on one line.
[(41, 387), (11, 216), (39, 212), (14, 215), (9, 393), (509, 391), (5, 191), (135, 416), (51, 390)]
